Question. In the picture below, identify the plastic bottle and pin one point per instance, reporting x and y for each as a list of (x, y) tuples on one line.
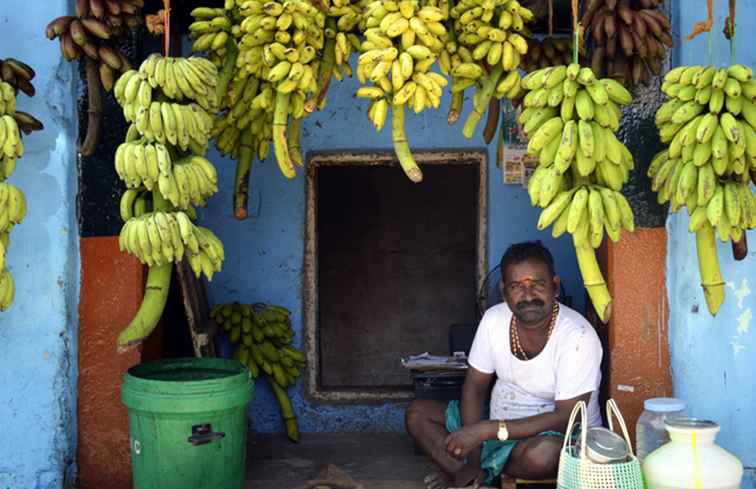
[(650, 433), (691, 459)]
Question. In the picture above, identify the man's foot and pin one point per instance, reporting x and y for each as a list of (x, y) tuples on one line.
[(469, 476)]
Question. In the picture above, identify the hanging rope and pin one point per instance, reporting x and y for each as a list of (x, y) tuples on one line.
[(167, 27), (704, 26), (729, 30), (576, 32), (551, 17)]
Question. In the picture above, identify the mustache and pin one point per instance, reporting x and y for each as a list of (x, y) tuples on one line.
[(535, 302)]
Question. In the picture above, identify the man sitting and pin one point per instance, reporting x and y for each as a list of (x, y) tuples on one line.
[(546, 357)]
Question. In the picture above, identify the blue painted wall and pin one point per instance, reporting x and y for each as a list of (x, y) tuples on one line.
[(264, 254), (38, 334), (713, 359)]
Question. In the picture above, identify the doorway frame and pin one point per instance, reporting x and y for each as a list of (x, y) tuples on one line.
[(314, 392)]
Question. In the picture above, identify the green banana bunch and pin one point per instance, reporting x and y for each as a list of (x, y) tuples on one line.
[(263, 335), (171, 103), (709, 124), (491, 41), (403, 40), (570, 118)]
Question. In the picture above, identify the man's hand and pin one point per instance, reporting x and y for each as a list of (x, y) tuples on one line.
[(463, 441)]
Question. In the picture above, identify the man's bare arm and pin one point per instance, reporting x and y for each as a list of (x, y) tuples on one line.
[(473, 398), (463, 442)]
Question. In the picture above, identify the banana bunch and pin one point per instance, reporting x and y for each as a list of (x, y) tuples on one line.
[(264, 334), (16, 75), (570, 117), (93, 33), (493, 35), (211, 30), (7, 289), (343, 20), (160, 238), (280, 44), (550, 51), (403, 41), (167, 102), (186, 126), (630, 37), (187, 181), (12, 200), (709, 123)]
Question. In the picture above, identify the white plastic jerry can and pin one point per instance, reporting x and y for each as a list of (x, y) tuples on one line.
[(691, 459)]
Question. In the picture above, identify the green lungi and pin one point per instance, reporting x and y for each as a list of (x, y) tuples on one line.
[(495, 453)]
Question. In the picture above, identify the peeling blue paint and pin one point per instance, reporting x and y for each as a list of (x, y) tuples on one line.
[(713, 359), (39, 332)]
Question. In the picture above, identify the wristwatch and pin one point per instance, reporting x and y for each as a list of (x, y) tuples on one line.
[(503, 433)]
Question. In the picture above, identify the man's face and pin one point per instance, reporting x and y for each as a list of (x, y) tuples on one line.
[(530, 290)]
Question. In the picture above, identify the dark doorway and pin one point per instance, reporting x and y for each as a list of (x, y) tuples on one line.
[(397, 265)]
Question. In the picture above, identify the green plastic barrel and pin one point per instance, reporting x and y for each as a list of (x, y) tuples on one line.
[(188, 423)]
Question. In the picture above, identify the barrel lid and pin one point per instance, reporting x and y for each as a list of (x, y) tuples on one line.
[(691, 424), (606, 443), (664, 404)]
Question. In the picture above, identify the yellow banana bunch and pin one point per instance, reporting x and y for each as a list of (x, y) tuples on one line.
[(170, 103), (709, 124), (160, 238), (403, 40), (570, 117), (12, 199), (211, 31), (491, 41), (263, 335), (346, 17), (280, 44)]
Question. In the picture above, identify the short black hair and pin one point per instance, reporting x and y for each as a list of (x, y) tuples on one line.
[(528, 250)]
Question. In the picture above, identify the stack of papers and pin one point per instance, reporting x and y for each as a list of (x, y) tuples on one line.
[(426, 361)]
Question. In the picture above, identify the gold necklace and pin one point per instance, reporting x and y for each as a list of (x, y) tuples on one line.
[(516, 347)]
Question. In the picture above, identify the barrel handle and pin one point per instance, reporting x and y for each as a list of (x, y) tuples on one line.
[(203, 434)]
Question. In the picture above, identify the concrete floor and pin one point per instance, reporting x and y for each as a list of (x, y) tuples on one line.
[(376, 460)]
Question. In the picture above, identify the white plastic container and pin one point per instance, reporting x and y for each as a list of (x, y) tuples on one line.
[(650, 433), (691, 459)]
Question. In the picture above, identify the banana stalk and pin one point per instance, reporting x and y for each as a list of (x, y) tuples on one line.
[(227, 71), (241, 179), (456, 106), (155, 297), (327, 63), (287, 411), (593, 280), (492, 123), (295, 147), (401, 146), (457, 97), (485, 96), (280, 145), (708, 265), (94, 118)]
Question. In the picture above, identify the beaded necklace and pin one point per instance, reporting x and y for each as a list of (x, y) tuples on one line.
[(517, 349)]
